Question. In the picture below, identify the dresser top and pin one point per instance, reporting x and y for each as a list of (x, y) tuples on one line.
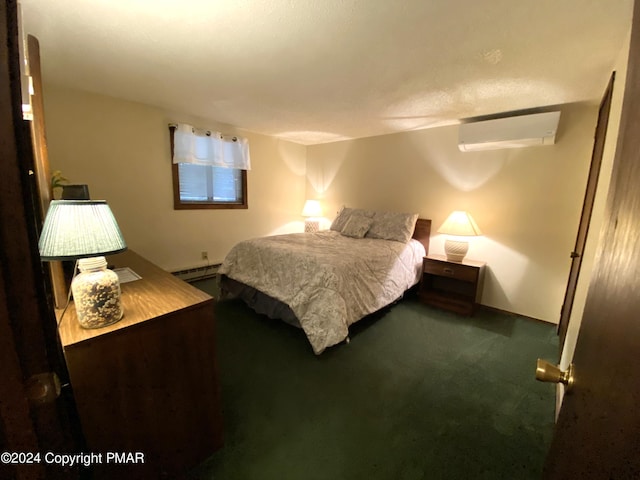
[(156, 294), (465, 261)]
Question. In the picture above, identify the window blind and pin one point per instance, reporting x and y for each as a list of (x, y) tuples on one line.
[(202, 183)]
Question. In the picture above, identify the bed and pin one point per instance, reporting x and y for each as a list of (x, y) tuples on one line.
[(323, 282)]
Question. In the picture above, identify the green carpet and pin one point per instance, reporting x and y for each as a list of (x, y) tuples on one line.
[(417, 394)]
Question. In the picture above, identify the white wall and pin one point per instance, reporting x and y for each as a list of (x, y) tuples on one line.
[(121, 150), (526, 201)]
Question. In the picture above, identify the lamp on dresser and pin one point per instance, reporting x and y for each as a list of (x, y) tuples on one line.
[(313, 211), (458, 224), (86, 231)]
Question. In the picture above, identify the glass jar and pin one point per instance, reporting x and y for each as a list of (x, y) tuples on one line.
[(96, 293)]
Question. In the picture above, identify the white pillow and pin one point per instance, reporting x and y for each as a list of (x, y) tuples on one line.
[(356, 227), (343, 216), (393, 226), (340, 220)]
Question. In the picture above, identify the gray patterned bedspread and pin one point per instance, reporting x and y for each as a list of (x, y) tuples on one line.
[(328, 280)]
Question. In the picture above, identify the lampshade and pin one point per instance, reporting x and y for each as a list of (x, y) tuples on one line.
[(460, 223), (76, 229), (312, 208)]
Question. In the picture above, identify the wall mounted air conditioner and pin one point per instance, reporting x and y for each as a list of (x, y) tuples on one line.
[(509, 132)]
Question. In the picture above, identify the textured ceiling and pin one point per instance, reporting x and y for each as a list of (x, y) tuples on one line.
[(315, 71)]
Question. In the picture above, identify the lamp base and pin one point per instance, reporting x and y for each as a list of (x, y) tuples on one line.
[(455, 250), (311, 226)]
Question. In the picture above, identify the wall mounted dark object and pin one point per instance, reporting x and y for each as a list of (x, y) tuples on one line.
[(75, 192)]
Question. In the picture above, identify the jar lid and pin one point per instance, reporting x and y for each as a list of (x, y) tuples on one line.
[(93, 263)]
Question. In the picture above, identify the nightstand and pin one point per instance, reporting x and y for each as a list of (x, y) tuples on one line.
[(453, 286)]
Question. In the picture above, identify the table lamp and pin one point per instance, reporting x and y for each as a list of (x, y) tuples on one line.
[(312, 210), (86, 231), (458, 224)]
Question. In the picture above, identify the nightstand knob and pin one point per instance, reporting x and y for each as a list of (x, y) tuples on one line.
[(448, 271)]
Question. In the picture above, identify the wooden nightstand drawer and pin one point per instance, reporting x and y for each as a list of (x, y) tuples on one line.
[(459, 272), (450, 285)]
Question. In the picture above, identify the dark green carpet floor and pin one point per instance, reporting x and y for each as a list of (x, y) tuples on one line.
[(417, 394)]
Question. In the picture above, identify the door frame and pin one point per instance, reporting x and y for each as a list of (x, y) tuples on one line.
[(29, 421), (600, 136)]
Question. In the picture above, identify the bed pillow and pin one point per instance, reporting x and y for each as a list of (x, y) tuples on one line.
[(393, 226), (343, 216), (357, 226)]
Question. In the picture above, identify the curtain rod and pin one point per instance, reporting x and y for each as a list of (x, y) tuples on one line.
[(234, 138)]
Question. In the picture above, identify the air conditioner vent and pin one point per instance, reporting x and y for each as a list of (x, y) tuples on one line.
[(509, 132)]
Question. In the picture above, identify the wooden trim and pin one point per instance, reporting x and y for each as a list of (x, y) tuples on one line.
[(180, 205), (17, 430), (41, 168), (600, 137)]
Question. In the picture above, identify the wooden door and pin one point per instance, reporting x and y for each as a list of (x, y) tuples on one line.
[(597, 435), (587, 209), (32, 419)]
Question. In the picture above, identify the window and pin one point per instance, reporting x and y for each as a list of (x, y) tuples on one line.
[(197, 182), (207, 186)]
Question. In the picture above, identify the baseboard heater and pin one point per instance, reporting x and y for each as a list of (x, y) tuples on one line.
[(197, 273)]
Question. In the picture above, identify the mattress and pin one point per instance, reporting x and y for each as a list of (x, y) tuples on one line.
[(328, 280)]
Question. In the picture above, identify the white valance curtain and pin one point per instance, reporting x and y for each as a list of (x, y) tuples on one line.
[(202, 147)]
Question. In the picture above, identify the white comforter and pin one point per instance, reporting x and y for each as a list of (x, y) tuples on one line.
[(328, 280)]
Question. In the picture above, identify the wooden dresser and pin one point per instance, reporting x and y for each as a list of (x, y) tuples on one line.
[(148, 383)]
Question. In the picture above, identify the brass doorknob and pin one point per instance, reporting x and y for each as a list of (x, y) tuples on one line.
[(547, 372)]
